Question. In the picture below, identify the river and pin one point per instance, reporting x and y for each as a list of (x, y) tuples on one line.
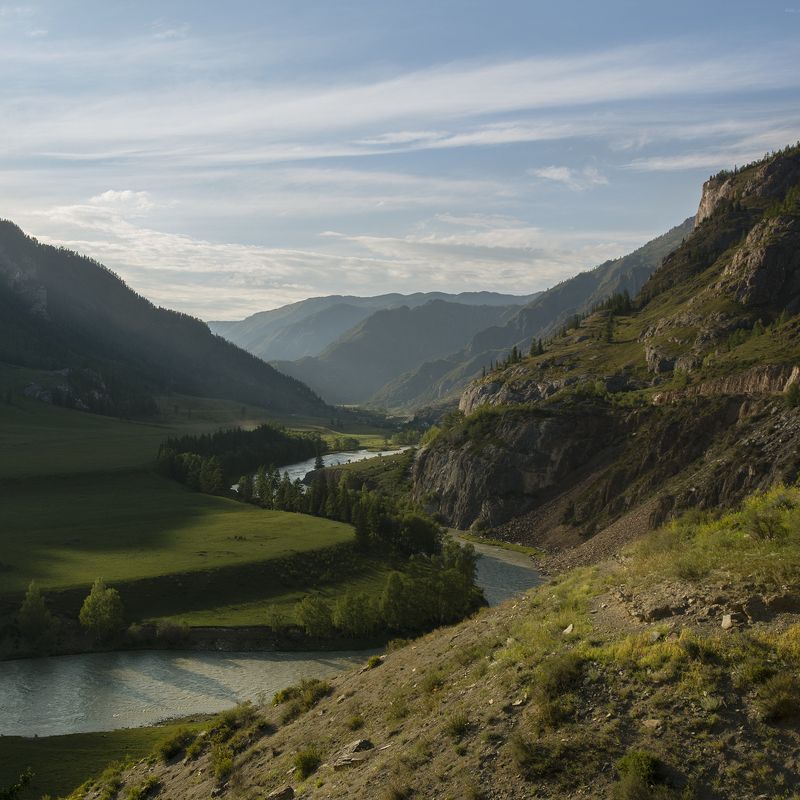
[(105, 691)]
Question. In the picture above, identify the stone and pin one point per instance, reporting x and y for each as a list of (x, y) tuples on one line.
[(654, 636), (347, 761), (652, 724), (286, 793), (568, 630), (727, 621), (358, 746)]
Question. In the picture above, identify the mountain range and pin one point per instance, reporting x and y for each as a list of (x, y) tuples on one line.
[(403, 352)]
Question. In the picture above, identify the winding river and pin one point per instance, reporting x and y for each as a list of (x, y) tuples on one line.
[(105, 691)]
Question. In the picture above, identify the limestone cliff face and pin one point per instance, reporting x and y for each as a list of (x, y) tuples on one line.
[(765, 271), (715, 190), (766, 181)]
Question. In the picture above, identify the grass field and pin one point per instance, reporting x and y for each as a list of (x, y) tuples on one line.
[(61, 763), (78, 500), (369, 578), (67, 531)]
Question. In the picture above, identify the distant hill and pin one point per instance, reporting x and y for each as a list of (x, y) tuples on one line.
[(445, 377), (390, 342), (308, 327), (113, 349)]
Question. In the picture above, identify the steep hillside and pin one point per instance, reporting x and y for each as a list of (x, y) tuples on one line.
[(308, 327), (388, 343), (669, 676), (684, 400), (101, 346), (447, 377)]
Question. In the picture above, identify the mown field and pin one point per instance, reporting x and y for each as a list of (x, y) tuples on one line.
[(60, 763)]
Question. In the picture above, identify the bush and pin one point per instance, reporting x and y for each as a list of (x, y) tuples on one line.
[(779, 698), (457, 726), (148, 786), (792, 396), (641, 778), (175, 744), (374, 661), (356, 722), (305, 695), (307, 761), (221, 761)]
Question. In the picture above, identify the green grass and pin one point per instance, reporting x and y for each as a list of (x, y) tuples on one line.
[(60, 763), (512, 546), (389, 474), (369, 577), (122, 526)]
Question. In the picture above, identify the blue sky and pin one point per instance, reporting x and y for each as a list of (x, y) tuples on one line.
[(230, 157)]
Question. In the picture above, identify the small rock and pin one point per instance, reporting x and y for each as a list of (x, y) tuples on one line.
[(654, 636), (358, 746), (344, 762), (652, 724), (340, 699), (727, 621), (286, 793), (568, 630)]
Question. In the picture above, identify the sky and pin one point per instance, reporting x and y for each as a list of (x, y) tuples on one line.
[(227, 158)]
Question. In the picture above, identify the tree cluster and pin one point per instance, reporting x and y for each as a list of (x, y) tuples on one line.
[(436, 590), (209, 462)]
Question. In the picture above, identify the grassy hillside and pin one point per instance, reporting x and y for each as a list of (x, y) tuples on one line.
[(671, 673), (60, 763)]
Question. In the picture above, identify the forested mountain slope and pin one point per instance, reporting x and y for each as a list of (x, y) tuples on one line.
[(446, 377), (112, 349)]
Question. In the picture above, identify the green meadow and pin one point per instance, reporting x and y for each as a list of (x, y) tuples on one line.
[(60, 763), (79, 500)]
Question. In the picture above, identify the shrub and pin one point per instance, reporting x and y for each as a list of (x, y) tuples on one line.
[(457, 726), (779, 698), (641, 777), (432, 682), (559, 674), (148, 786), (306, 762), (221, 761), (307, 693), (356, 722), (374, 661), (175, 744), (640, 763), (792, 396)]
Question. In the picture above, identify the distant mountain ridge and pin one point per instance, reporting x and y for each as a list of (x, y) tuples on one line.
[(307, 327), (443, 378), (66, 313), (389, 342)]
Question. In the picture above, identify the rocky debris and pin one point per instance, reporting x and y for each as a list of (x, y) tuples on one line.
[(654, 725), (285, 793), (727, 621), (568, 630)]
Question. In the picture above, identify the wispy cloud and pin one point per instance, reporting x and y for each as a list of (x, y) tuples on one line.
[(577, 180)]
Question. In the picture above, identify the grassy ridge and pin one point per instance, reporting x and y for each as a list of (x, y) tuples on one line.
[(60, 763)]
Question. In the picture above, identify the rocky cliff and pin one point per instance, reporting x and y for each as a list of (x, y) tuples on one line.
[(684, 401)]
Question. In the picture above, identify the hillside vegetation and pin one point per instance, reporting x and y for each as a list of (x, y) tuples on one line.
[(671, 674), (98, 345)]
